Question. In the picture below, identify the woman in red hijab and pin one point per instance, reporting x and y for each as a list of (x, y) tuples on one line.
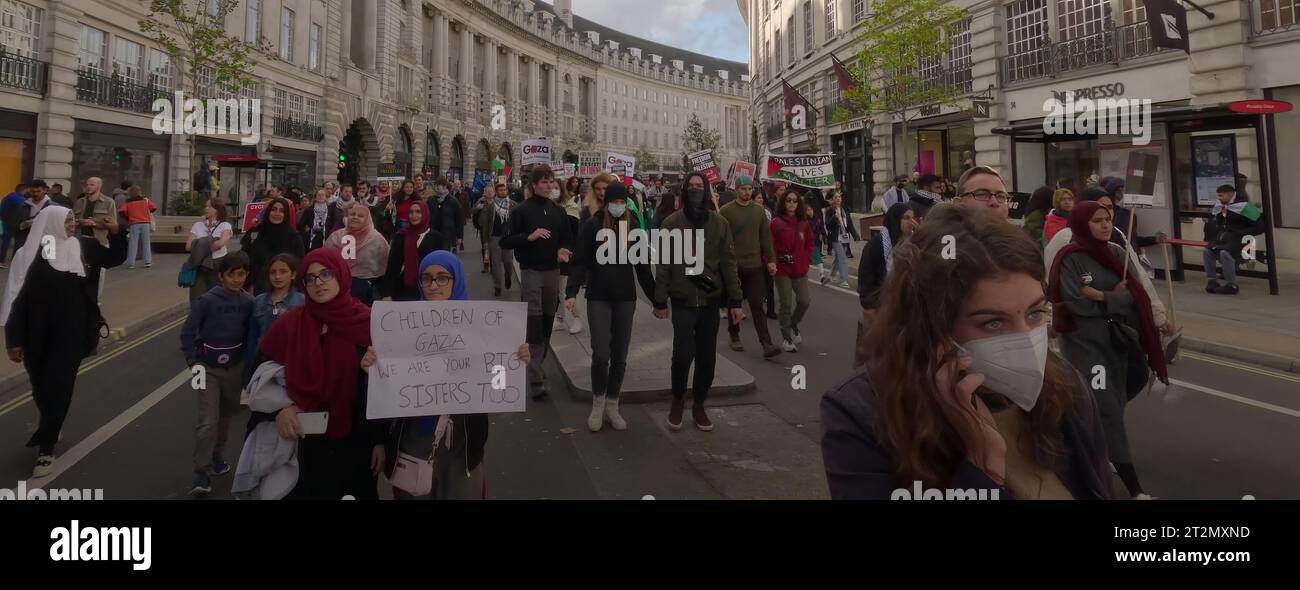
[(1107, 329), (409, 246), (321, 345)]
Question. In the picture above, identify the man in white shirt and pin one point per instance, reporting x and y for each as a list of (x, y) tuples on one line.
[(896, 194)]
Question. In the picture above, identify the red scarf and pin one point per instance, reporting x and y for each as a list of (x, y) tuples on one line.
[(411, 243), (322, 370), (1082, 240)]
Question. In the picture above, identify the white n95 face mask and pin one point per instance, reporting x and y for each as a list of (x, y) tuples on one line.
[(617, 209), (1012, 364), (555, 194)]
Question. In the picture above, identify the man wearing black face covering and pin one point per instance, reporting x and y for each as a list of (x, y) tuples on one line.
[(695, 298)]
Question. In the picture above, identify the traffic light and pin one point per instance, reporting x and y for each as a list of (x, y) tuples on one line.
[(343, 156)]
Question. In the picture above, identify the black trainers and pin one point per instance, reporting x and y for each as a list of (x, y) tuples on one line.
[(736, 345), (770, 350), (219, 465), (1227, 289), (539, 391), (202, 484), (496, 291), (1211, 286)]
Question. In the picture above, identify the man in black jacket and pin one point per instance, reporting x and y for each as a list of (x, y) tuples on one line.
[(445, 209), (540, 237), (1232, 219)]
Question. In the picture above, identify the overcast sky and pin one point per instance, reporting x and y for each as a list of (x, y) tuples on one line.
[(711, 27)]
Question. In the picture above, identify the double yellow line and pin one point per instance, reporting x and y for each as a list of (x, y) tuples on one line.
[(26, 397)]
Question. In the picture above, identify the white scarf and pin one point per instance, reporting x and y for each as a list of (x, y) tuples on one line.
[(66, 254), (887, 243), (932, 197)]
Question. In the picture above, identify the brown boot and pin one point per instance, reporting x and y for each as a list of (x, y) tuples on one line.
[(701, 417), (675, 415)]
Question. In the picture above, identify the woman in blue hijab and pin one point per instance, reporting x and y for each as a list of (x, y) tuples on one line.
[(457, 461)]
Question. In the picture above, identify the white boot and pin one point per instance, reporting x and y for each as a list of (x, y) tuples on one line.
[(615, 419), (597, 417)]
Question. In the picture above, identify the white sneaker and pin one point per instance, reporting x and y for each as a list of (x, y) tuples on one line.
[(576, 328), (798, 338), (789, 346), (615, 419), (1144, 496), (559, 323), (44, 466), (846, 285), (597, 417)]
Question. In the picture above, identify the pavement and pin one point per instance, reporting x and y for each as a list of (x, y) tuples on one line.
[(1222, 429)]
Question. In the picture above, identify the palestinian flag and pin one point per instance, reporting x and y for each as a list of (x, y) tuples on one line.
[(1245, 209)]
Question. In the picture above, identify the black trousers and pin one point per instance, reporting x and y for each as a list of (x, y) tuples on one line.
[(771, 298), (611, 333), (753, 281), (330, 468), (53, 379), (695, 340)]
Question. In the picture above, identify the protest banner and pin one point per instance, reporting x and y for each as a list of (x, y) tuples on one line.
[(563, 170), (807, 170), (391, 171), (746, 169), (537, 151), (628, 162), (702, 161), (589, 164), (252, 212), (446, 357)]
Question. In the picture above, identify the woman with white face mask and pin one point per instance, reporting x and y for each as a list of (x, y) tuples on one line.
[(1103, 324), (966, 396)]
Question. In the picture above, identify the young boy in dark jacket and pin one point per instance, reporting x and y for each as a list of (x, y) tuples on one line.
[(213, 338)]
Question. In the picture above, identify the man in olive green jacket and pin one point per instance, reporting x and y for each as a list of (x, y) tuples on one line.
[(694, 308)]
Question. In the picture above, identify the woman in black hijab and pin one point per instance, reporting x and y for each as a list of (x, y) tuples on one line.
[(272, 235), (877, 260)]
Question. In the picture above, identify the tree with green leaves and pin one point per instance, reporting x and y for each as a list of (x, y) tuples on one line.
[(900, 61), (193, 35), (696, 138), (645, 160)]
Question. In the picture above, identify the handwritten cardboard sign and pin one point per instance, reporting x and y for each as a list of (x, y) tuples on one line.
[(446, 357)]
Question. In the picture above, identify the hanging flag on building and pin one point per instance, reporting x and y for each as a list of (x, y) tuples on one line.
[(842, 74), (1167, 20), (792, 98)]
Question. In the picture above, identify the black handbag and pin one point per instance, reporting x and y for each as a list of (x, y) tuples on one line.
[(1138, 374), (705, 281)]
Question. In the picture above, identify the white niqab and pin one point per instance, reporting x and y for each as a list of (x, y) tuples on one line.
[(66, 253)]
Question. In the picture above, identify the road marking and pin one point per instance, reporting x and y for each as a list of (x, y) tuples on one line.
[(26, 397), (105, 432), (1257, 370), (1237, 398)]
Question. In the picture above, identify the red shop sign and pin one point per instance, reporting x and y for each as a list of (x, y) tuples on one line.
[(1259, 107)]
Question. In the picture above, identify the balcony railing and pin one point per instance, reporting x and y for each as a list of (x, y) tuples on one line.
[(22, 72), (117, 92), (296, 129), (1111, 45), (1273, 16)]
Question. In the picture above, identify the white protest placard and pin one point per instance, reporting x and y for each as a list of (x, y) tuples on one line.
[(613, 159), (589, 164), (537, 151), (446, 357)]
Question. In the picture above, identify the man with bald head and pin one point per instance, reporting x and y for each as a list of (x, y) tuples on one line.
[(982, 187), (96, 216)]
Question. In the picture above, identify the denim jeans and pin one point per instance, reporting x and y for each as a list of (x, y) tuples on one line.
[(841, 260), (138, 241), (1209, 256)]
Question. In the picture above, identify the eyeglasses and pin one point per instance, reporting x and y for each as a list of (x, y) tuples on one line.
[(318, 279), (440, 280), (983, 196)]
